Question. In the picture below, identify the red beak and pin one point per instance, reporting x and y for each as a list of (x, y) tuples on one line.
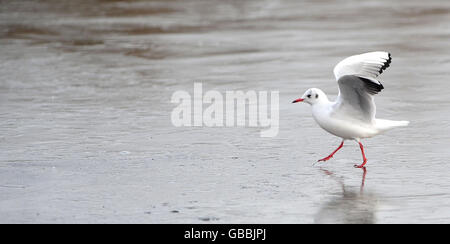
[(298, 100)]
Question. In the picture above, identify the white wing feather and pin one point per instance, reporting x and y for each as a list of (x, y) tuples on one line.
[(357, 84), (369, 65)]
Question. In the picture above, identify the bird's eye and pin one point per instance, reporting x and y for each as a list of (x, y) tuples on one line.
[(309, 96), (317, 95)]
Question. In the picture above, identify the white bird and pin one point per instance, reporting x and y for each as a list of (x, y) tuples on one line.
[(352, 115)]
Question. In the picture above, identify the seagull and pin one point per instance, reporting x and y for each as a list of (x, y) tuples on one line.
[(352, 115)]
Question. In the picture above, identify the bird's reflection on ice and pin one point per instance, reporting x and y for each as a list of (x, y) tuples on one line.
[(350, 207)]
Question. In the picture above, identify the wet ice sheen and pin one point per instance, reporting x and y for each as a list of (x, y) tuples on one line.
[(85, 112)]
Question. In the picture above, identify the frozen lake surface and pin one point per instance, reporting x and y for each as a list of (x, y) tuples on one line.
[(86, 136)]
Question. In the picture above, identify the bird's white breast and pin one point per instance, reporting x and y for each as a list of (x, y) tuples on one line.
[(346, 128)]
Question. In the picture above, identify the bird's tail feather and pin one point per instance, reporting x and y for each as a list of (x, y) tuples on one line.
[(384, 124)]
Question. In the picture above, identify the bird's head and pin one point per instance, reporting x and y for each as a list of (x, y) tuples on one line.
[(312, 96)]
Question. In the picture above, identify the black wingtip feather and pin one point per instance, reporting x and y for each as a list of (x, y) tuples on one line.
[(372, 87), (386, 64)]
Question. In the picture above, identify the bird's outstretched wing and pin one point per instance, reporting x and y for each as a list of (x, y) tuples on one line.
[(357, 84), (368, 65)]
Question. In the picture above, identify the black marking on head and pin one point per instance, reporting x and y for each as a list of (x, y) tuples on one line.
[(317, 96), (386, 64), (309, 96), (371, 87)]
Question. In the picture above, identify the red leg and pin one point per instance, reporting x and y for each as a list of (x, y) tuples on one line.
[(364, 156), (332, 154)]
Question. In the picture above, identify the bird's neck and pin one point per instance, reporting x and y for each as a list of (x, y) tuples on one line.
[(323, 101), (322, 105)]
